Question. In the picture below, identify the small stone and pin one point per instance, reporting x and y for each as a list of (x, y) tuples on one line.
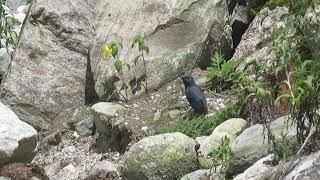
[(85, 127), (75, 134), (144, 128), (104, 169), (157, 115), (174, 114)]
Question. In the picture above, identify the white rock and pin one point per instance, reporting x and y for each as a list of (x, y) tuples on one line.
[(229, 128), (21, 9), (18, 140), (258, 170), (19, 17)]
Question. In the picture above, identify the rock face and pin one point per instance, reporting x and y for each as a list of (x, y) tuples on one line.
[(48, 71), (112, 135), (311, 30), (229, 128), (17, 139), (255, 43), (252, 144), (173, 34), (165, 157)]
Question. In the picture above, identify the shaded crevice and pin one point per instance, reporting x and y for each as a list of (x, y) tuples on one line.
[(91, 95), (238, 29), (204, 59)]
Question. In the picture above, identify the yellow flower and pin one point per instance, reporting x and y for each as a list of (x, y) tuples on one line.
[(106, 50)]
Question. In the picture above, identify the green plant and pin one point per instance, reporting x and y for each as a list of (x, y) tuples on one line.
[(283, 147), (203, 125), (221, 71), (113, 50), (6, 27), (221, 157), (302, 79), (143, 49)]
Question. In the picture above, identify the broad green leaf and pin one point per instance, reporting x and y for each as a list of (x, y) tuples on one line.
[(137, 38), (115, 49), (145, 49)]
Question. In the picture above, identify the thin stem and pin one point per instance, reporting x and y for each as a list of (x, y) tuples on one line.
[(123, 82), (145, 71), (289, 84)]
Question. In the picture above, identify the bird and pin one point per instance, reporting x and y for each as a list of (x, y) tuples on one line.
[(195, 95)]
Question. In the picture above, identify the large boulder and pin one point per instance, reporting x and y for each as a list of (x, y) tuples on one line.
[(311, 30), (230, 129), (18, 140), (179, 34), (165, 157), (252, 144), (48, 71)]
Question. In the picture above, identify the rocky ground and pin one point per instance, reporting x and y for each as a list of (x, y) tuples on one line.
[(75, 155), (58, 73)]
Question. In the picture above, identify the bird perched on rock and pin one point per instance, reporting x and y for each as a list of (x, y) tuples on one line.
[(195, 96)]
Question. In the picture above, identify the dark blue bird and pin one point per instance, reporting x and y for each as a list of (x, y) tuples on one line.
[(195, 96)]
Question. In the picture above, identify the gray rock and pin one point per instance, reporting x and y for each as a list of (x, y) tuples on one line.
[(256, 41), (18, 140), (165, 157), (201, 174), (104, 169), (5, 60), (78, 118), (259, 170), (252, 144), (112, 134), (48, 72), (85, 127), (230, 128), (311, 30), (173, 36), (307, 168)]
